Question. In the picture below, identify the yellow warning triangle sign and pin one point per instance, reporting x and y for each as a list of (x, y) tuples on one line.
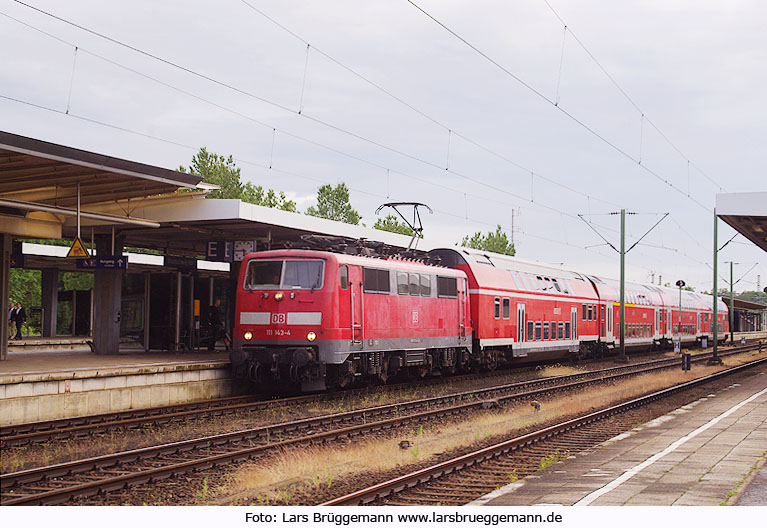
[(78, 249)]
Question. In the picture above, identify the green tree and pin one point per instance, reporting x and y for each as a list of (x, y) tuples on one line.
[(391, 224), (497, 242), (223, 172), (333, 204), (267, 197)]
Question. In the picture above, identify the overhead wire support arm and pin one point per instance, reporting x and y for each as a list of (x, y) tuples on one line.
[(648, 232), (598, 233)]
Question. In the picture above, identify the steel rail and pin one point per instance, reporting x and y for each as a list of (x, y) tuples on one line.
[(26, 477), (32, 432), (389, 487)]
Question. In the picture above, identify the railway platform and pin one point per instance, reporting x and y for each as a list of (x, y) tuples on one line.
[(43, 385), (709, 452)]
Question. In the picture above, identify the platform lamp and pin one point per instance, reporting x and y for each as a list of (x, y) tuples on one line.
[(680, 283)]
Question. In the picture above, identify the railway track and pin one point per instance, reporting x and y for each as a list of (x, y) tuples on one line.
[(465, 478), (82, 478), (82, 426)]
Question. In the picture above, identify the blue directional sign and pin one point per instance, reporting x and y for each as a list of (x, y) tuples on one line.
[(107, 262)]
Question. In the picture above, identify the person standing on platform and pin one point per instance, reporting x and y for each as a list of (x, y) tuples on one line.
[(21, 318), (217, 326), (11, 318)]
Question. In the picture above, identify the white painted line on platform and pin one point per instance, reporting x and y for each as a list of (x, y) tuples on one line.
[(594, 495)]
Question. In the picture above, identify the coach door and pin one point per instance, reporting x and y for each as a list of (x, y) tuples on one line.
[(668, 322), (355, 293), (520, 322), (574, 321), (656, 330), (461, 294), (609, 319)]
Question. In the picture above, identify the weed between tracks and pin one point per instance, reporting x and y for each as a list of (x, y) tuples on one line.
[(298, 475)]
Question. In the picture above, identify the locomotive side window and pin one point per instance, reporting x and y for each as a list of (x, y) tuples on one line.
[(403, 287), (415, 284), (506, 308), (344, 271), (497, 308), (530, 336), (375, 280), (425, 286), (446, 287)]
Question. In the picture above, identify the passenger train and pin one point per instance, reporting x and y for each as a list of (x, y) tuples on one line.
[(319, 319)]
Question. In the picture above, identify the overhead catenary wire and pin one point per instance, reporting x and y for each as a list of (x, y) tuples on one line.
[(552, 102), (269, 126), (628, 98)]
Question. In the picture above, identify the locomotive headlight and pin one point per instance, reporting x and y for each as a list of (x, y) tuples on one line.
[(278, 296), (248, 336), (311, 336)]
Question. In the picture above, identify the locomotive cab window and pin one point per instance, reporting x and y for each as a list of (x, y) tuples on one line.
[(375, 280), (446, 287), (344, 272), (289, 274)]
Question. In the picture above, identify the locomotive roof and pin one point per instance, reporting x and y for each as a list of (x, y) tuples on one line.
[(391, 263)]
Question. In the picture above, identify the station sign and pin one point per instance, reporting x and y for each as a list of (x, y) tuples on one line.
[(181, 263), (106, 262), (219, 251), (242, 248)]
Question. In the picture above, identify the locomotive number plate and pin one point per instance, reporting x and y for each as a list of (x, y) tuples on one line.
[(277, 332)]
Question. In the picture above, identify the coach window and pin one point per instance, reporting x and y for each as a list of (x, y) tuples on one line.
[(567, 330), (446, 287), (538, 331), (583, 306), (543, 284), (553, 330), (415, 284), (402, 284), (532, 281), (506, 308), (344, 271), (591, 313), (556, 285), (549, 287), (530, 336), (497, 308), (545, 331), (425, 286), (561, 330)]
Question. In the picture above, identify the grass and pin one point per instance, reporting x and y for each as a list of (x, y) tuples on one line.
[(381, 454)]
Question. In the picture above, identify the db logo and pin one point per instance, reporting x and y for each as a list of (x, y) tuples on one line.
[(278, 318), (415, 317)]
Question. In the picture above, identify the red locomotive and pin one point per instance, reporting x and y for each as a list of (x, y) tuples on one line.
[(319, 319)]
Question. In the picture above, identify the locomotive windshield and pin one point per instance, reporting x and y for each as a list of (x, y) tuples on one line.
[(284, 274)]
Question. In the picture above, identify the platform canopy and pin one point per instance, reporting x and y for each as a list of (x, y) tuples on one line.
[(187, 227), (39, 187), (746, 213)]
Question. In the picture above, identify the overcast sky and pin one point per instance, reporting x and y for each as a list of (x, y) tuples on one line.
[(541, 130)]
